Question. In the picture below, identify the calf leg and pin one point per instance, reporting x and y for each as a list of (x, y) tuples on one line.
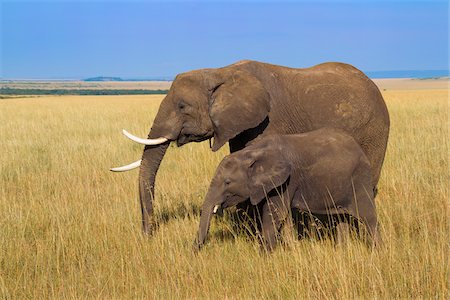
[(364, 200), (273, 215), (367, 214), (270, 227), (342, 233), (301, 222), (370, 221)]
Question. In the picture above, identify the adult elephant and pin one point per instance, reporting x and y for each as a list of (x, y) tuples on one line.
[(242, 101)]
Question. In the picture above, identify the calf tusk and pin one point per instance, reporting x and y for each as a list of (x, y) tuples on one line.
[(144, 141), (129, 167)]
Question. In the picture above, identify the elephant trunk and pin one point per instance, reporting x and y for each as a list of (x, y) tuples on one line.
[(151, 159), (212, 199)]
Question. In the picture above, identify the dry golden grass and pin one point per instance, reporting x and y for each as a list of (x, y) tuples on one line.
[(69, 228), (397, 84)]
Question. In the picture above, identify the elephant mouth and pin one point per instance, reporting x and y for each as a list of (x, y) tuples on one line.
[(232, 200), (184, 138)]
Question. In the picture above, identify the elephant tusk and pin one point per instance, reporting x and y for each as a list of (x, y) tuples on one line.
[(139, 140), (216, 208), (129, 167)]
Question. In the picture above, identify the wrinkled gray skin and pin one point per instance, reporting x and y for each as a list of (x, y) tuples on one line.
[(323, 172), (248, 99)]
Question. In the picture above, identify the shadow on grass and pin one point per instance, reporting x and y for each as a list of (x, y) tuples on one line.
[(179, 211), (245, 221)]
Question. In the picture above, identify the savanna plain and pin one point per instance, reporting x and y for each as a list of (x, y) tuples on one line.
[(69, 228)]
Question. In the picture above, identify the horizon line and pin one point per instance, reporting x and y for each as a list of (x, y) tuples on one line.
[(371, 74)]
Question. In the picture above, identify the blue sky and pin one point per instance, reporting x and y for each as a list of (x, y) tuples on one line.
[(149, 39)]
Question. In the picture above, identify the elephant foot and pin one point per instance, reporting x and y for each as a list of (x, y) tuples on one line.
[(196, 246)]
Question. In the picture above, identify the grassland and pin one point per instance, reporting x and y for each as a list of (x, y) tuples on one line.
[(69, 228), (84, 85), (34, 88)]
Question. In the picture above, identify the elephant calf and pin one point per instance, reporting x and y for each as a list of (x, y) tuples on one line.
[(323, 172)]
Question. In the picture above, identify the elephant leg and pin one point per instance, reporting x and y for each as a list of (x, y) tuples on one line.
[(342, 233), (370, 221), (249, 216), (301, 222), (366, 212), (364, 207), (272, 218)]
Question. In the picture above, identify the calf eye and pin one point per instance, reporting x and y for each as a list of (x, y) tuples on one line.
[(181, 105), (227, 181)]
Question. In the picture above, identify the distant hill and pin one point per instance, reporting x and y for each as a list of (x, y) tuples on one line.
[(103, 78)]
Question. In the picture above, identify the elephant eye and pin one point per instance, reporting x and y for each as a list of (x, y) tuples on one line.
[(227, 181), (181, 105)]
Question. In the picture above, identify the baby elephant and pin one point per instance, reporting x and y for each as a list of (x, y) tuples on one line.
[(323, 172)]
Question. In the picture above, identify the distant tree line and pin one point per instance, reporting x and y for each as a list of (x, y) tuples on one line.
[(11, 91)]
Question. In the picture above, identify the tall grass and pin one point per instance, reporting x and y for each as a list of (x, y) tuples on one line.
[(69, 228)]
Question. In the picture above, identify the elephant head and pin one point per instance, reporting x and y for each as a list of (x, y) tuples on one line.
[(202, 104), (249, 173)]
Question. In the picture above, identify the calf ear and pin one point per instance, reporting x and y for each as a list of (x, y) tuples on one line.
[(265, 174), (238, 103)]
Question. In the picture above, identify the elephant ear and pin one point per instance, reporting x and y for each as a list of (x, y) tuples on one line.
[(238, 103), (267, 172)]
